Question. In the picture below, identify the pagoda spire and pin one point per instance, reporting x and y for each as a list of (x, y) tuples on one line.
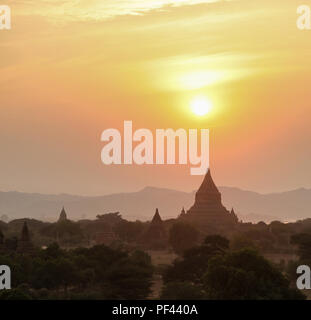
[(155, 236), (63, 215), (208, 185), (25, 233), (207, 212), (24, 244), (1, 237), (156, 218)]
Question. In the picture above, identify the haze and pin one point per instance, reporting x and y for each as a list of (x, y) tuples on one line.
[(71, 69)]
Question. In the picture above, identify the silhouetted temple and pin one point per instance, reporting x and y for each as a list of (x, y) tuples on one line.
[(156, 236), (1, 237), (62, 216), (182, 213), (25, 244), (2, 248), (208, 213)]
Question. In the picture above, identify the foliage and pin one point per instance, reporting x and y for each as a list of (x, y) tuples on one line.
[(181, 291), (14, 294), (303, 241), (182, 237), (194, 261), (111, 218), (129, 231), (220, 274), (66, 232), (246, 275), (216, 243), (98, 272), (241, 241)]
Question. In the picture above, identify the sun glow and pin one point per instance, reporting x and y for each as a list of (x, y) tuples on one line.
[(198, 80), (200, 106)]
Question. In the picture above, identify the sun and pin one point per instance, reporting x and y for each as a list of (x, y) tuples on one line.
[(201, 106)]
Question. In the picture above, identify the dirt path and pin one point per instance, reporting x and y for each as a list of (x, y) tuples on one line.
[(157, 284)]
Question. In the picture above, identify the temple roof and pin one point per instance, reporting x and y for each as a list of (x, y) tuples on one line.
[(25, 233), (208, 185), (156, 218), (63, 215)]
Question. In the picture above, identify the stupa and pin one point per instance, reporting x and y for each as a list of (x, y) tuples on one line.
[(208, 213)]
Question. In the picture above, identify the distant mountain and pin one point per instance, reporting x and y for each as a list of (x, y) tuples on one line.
[(285, 206), (250, 206)]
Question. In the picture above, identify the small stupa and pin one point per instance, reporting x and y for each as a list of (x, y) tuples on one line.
[(155, 236), (24, 244), (62, 216)]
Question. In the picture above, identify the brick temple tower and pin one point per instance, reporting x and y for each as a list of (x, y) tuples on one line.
[(207, 212), (24, 244)]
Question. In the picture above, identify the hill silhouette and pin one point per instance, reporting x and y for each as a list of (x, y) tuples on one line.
[(249, 206)]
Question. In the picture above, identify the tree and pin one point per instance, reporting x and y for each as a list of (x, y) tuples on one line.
[(194, 262), (53, 251), (14, 294), (241, 241), (129, 231), (129, 278), (216, 243), (66, 232), (11, 243), (245, 275), (111, 218), (182, 237), (181, 291), (303, 241)]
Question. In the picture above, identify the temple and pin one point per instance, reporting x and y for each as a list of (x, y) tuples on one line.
[(24, 244), (156, 236), (1, 241), (63, 215), (208, 213)]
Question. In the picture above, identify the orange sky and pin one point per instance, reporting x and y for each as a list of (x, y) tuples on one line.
[(71, 69)]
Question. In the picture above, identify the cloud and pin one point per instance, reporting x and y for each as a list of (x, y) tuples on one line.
[(96, 9)]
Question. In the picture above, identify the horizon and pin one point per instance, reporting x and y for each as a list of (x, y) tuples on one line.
[(154, 187)]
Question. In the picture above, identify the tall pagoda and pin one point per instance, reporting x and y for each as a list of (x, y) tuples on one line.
[(207, 212)]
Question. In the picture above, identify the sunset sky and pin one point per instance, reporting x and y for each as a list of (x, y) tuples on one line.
[(73, 68)]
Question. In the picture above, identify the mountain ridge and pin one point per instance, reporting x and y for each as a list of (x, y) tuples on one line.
[(250, 205)]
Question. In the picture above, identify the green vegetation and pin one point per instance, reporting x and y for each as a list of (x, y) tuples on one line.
[(68, 260), (96, 273), (182, 237), (213, 271)]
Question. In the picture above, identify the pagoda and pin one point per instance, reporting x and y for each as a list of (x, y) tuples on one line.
[(207, 212), (155, 236), (24, 244), (62, 216), (1, 242)]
